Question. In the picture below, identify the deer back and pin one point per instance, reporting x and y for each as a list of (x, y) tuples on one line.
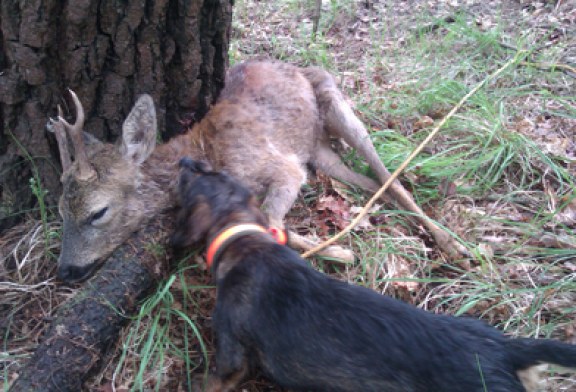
[(266, 117)]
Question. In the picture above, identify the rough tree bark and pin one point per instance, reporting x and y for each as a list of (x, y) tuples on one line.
[(108, 51), (89, 324)]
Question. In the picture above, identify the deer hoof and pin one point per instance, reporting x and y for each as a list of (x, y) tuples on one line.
[(453, 249), (339, 253)]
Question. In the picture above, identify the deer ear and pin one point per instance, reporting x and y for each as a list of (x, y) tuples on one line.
[(139, 131)]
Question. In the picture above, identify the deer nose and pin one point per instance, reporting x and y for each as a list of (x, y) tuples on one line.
[(73, 273)]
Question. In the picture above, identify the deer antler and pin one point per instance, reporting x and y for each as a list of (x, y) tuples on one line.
[(85, 170), (57, 127)]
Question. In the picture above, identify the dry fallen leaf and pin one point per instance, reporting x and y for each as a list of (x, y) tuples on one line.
[(332, 212), (398, 268), (549, 240), (486, 251), (365, 223), (524, 126), (516, 271), (342, 190), (424, 122), (551, 133), (571, 266), (484, 23), (567, 214), (447, 188)]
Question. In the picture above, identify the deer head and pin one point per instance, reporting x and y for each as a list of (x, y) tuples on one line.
[(101, 203)]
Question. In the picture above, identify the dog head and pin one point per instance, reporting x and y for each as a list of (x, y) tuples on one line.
[(209, 202)]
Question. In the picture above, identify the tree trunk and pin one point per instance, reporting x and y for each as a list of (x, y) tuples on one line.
[(89, 324), (108, 52)]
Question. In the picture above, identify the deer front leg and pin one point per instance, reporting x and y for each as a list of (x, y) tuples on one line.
[(280, 197), (300, 242)]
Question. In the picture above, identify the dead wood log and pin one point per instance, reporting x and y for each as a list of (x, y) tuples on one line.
[(89, 324)]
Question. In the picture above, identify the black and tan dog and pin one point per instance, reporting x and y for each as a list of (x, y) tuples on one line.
[(310, 332)]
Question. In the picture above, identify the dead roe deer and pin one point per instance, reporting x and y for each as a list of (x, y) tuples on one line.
[(271, 121)]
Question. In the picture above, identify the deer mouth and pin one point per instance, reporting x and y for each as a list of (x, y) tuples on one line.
[(71, 274)]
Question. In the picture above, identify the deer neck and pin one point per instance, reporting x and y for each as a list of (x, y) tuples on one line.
[(161, 170)]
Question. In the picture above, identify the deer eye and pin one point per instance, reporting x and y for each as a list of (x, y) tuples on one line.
[(98, 215)]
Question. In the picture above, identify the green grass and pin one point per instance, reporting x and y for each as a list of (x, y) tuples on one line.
[(40, 193), (165, 327)]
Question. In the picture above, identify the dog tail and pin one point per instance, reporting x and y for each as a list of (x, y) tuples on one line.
[(528, 352)]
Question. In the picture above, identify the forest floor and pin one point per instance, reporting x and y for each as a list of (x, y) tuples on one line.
[(500, 175)]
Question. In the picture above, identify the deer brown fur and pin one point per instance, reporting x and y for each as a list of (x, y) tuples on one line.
[(271, 120)]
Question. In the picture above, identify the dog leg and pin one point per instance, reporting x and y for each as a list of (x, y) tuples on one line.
[(530, 378), (340, 121), (217, 384), (231, 364)]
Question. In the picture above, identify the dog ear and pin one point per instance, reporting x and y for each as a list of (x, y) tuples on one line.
[(189, 172), (192, 226), (200, 222), (200, 167), (204, 167)]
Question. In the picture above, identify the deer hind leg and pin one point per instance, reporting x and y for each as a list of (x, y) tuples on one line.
[(331, 164), (280, 197), (340, 121)]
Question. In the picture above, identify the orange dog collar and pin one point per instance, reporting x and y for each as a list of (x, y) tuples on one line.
[(233, 232)]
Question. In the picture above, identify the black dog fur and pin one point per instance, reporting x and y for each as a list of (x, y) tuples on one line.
[(308, 331)]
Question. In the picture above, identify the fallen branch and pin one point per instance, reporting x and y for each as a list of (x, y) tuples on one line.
[(521, 54), (89, 324)]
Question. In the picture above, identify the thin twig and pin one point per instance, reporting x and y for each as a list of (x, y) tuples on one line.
[(550, 66), (568, 69), (377, 195), (316, 18), (434, 26), (532, 51)]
